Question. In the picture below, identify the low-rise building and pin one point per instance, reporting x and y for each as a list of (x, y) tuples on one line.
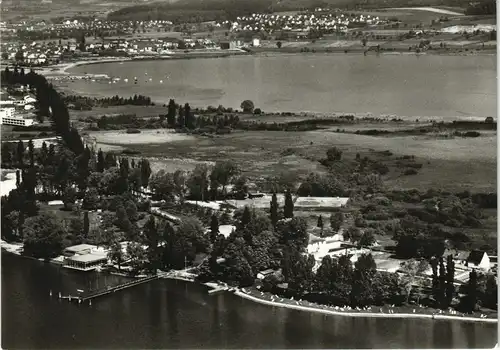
[(84, 257), (8, 117)]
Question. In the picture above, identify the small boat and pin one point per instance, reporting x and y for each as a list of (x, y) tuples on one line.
[(161, 81), (150, 79), (125, 80), (80, 290)]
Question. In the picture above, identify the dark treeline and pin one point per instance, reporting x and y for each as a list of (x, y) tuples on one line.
[(195, 11), (86, 103), (49, 103)]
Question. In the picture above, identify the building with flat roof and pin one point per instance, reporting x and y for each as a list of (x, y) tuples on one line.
[(84, 257), (85, 262), (7, 117)]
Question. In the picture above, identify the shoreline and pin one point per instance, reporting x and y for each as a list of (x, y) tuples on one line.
[(62, 69), (244, 295), (240, 292)]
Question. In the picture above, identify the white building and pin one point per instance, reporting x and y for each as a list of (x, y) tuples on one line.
[(7, 117), (256, 42), (84, 257)]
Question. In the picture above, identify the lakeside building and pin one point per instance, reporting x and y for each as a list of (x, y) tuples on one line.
[(7, 117), (84, 257)]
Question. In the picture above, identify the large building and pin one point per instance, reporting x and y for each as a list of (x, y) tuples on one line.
[(84, 257), (8, 117)]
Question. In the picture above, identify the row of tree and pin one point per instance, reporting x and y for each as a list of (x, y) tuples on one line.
[(86, 103), (49, 103)]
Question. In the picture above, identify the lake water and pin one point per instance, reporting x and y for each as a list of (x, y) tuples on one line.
[(404, 85), (174, 314)]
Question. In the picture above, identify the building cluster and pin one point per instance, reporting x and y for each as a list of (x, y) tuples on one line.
[(17, 111), (90, 27), (336, 246), (301, 22), (40, 53)]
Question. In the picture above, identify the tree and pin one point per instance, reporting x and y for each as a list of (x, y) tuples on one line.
[(450, 280), (69, 198), (333, 154), (152, 238), (293, 233), (274, 210), (246, 217), (240, 186), (172, 111), (19, 56), (18, 178), (180, 184), (31, 152), (336, 221), (320, 224), (352, 234), (490, 298), (91, 199), (442, 283), (137, 256), (214, 228), (20, 153), (471, 297), (163, 186), (115, 254), (278, 44), (288, 208), (43, 236), (198, 182), (86, 224), (222, 173), (247, 106), (367, 239), (131, 210), (101, 164), (362, 287), (413, 271), (145, 172)]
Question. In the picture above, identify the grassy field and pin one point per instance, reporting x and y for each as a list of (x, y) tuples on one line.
[(452, 164)]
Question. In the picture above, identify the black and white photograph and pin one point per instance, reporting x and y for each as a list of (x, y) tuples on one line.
[(248, 174)]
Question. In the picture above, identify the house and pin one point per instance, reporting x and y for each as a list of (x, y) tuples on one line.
[(478, 259), (29, 100), (256, 42), (228, 45), (263, 274)]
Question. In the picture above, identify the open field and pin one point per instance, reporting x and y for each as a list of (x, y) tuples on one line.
[(145, 137), (453, 164)]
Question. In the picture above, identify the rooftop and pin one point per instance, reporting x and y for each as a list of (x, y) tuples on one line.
[(80, 247), (87, 257)]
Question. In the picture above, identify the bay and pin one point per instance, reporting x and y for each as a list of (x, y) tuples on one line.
[(175, 314), (402, 85)]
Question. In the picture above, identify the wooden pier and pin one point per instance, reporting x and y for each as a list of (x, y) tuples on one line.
[(107, 290)]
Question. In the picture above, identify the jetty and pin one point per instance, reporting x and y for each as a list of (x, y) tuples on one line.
[(108, 290)]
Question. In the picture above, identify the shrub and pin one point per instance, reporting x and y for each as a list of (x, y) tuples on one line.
[(410, 171), (133, 131)]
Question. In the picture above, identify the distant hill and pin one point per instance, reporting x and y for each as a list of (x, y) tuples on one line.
[(180, 10)]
